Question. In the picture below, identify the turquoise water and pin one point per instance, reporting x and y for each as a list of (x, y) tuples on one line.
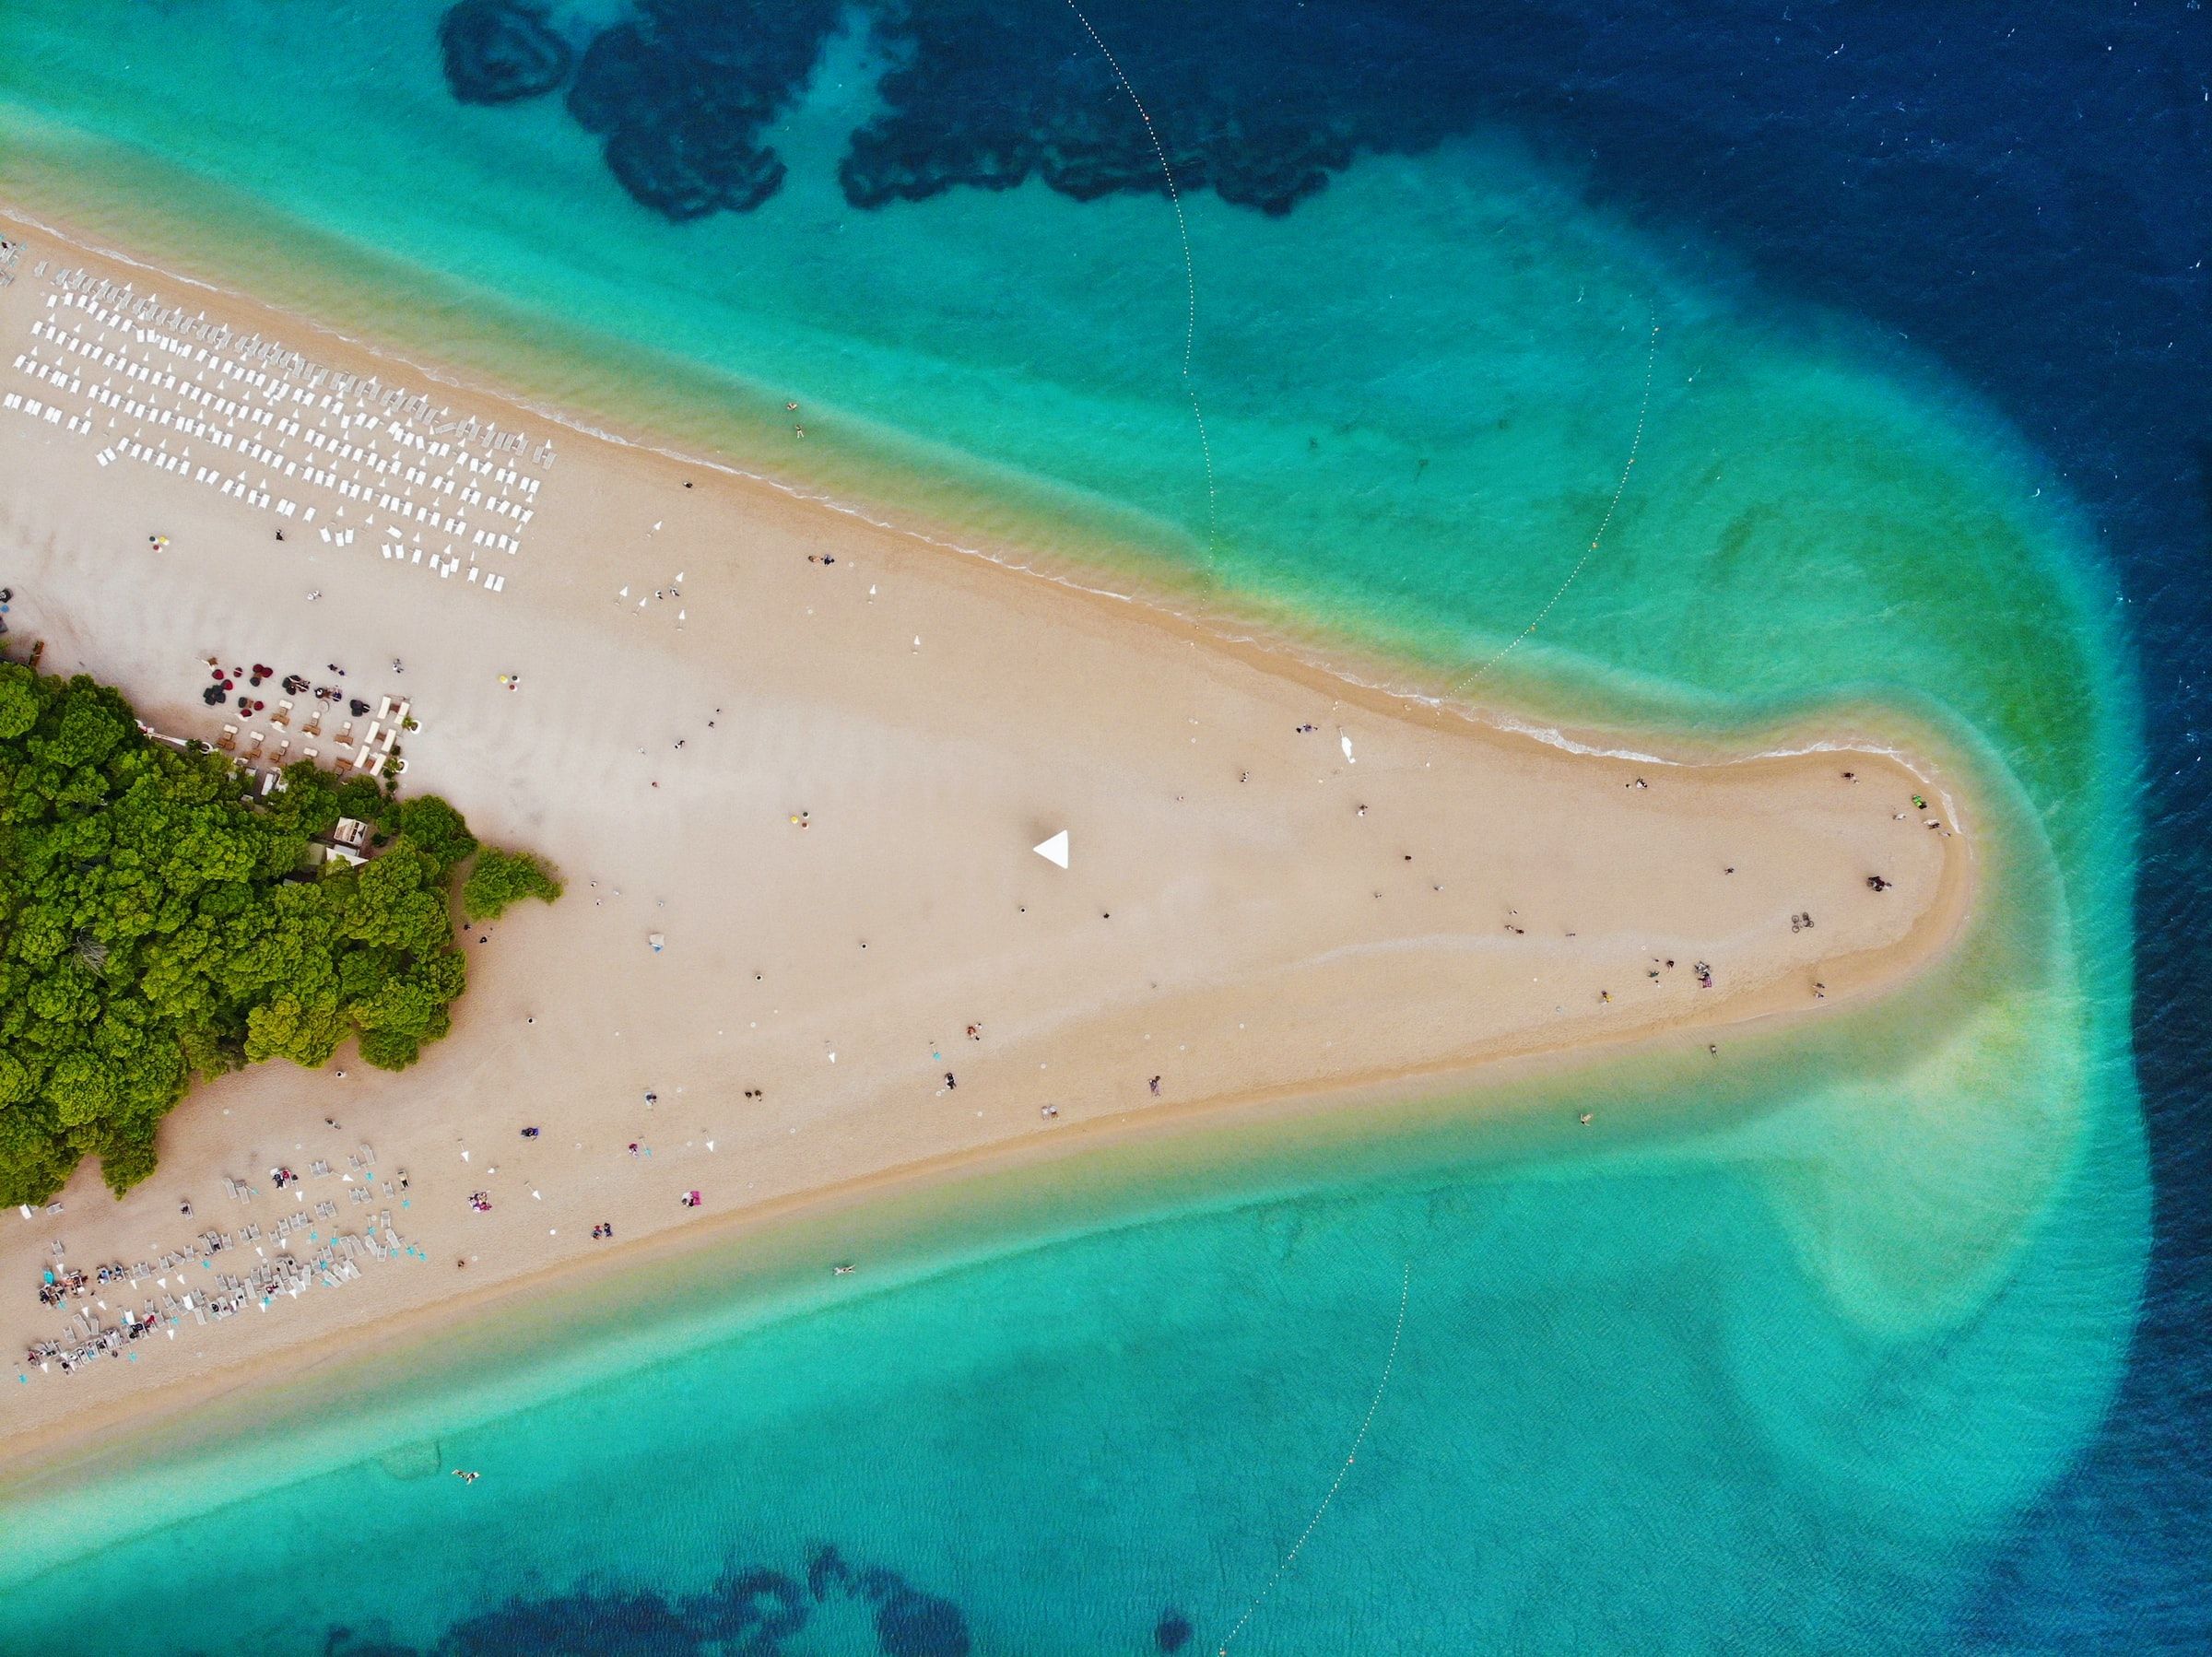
[(1783, 1368)]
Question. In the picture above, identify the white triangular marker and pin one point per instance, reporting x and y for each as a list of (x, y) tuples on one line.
[(1053, 851)]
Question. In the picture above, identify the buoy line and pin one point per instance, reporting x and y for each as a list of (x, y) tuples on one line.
[(1643, 413), (1189, 268), (1351, 1455)]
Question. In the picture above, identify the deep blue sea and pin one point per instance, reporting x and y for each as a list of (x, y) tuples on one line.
[(1875, 1349), (2025, 193)]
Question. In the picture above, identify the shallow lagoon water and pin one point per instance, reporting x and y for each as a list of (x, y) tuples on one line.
[(1786, 1367)]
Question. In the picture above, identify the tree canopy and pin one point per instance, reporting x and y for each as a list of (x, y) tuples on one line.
[(499, 878), (159, 924)]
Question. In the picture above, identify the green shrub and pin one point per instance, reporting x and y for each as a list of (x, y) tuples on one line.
[(500, 878)]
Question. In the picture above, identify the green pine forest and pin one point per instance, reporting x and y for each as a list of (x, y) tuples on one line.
[(158, 925)]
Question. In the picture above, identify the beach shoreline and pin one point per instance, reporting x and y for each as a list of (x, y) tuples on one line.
[(1062, 703), (784, 1244), (1197, 609)]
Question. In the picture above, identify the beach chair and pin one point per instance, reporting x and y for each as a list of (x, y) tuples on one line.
[(283, 716), (228, 740)]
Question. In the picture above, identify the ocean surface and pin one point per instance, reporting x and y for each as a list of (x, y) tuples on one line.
[(1721, 370)]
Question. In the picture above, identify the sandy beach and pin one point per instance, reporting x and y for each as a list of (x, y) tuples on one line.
[(811, 756)]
